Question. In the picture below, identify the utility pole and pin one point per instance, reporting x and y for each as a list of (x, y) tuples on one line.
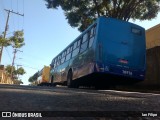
[(17, 69), (15, 51), (6, 27)]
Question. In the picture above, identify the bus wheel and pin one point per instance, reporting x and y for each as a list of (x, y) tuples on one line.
[(52, 79), (69, 80)]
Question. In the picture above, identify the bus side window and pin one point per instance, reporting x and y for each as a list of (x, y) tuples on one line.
[(62, 60), (92, 36), (60, 56), (68, 56), (75, 52), (59, 59), (55, 65), (75, 45), (64, 54), (68, 50), (55, 61), (91, 41), (63, 57), (52, 64), (85, 37), (84, 46), (78, 42), (93, 31), (71, 48)]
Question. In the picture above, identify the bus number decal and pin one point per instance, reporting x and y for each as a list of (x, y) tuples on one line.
[(127, 72)]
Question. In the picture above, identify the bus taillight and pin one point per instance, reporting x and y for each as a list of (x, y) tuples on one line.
[(123, 61)]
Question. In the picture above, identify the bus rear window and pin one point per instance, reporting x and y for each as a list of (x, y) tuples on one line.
[(136, 31)]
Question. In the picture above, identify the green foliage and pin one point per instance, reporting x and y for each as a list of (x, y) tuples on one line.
[(4, 42), (19, 71), (81, 13), (17, 82), (8, 69), (17, 39), (33, 78)]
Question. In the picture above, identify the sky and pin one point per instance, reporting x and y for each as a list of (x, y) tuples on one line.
[(46, 33)]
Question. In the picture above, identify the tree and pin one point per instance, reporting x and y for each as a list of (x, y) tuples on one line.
[(31, 79), (17, 82), (4, 41), (19, 71), (17, 39), (34, 77), (8, 69), (81, 13)]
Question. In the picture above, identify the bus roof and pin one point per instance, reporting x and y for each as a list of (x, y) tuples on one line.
[(96, 21), (76, 38)]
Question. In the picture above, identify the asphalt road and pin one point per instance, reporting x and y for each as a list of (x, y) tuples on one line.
[(79, 103)]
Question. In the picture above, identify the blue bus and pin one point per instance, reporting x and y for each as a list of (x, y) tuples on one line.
[(109, 50)]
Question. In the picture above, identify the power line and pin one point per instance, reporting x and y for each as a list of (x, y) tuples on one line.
[(13, 16), (28, 66), (14, 56), (2, 5), (18, 16), (40, 59), (27, 63), (8, 54), (9, 33), (6, 28), (23, 13), (13, 23), (23, 6), (17, 6), (3, 14), (11, 4)]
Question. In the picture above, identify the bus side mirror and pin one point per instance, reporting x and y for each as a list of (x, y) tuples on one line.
[(51, 65)]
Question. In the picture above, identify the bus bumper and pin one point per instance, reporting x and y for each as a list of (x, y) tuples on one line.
[(120, 71)]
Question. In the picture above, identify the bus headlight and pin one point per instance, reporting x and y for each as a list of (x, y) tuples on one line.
[(106, 68)]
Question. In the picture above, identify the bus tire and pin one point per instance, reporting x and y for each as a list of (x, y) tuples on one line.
[(69, 80), (52, 78)]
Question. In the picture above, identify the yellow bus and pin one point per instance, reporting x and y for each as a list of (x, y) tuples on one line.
[(43, 76)]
